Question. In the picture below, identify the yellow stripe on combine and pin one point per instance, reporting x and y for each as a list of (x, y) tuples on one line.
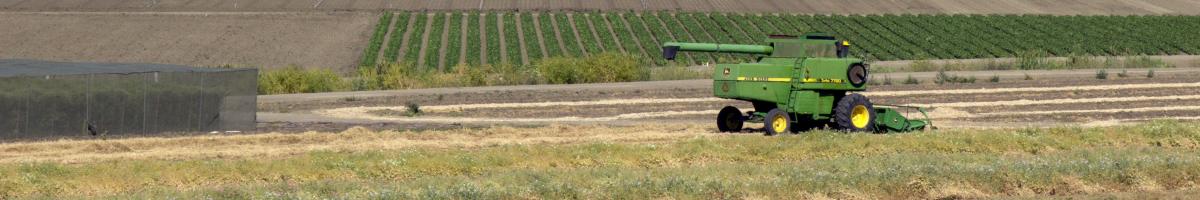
[(813, 80), (807, 80), (742, 78)]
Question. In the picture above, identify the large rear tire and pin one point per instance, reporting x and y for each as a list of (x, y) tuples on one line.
[(730, 119), (854, 113), (777, 121)]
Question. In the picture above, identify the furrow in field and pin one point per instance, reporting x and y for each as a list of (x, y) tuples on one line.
[(364, 113), (425, 40), (443, 46), (1056, 101), (516, 17), (1034, 89), (1092, 111)]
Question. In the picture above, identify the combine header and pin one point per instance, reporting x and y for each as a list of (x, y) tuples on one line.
[(799, 83)]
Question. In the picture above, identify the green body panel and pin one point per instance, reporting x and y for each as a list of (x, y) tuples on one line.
[(804, 75), (891, 120)]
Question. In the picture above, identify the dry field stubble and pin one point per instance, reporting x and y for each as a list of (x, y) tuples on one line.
[(643, 161)]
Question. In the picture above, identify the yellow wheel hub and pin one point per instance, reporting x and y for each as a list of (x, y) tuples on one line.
[(860, 116), (779, 124)]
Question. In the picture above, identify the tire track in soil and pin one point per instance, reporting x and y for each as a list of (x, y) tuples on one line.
[(463, 38), (412, 19), (483, 38), (500, 29), (425, 40), (608, 25), (521, 38), (575, 30), (1033, 89), (629, 30), (594, 34), (537, 29), (441, 67), (558, 34)]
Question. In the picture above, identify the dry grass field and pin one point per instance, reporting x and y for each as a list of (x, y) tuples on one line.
[(655, 160)]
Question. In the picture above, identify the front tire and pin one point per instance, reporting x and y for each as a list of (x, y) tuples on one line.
[(854, 113), (777, 121), (730, 119)]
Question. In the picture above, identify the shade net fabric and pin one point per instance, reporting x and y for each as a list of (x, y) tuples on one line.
[(43, 99)]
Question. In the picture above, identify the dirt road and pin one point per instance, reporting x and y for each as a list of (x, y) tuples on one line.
[(1053, 98)]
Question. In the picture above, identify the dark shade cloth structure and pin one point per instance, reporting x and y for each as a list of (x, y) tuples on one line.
[(46, 99)]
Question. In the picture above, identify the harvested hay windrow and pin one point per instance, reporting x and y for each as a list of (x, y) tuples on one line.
[(351, 140)]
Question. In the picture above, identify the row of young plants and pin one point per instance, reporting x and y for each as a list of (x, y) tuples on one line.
[(876, 37)]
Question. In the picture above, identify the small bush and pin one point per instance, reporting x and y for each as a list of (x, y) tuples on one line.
[(943, 78), (1027, 77), (595, 68), (559, 70), (294, 79), (994, 79), (911, 81), (1123, 74), (412, 109), (1150, 74), (1101, 74)]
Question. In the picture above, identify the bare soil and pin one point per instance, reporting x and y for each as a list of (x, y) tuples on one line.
[(267, 40), (1039, 102)]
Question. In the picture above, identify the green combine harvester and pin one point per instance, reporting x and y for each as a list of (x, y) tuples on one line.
[(798, 84)]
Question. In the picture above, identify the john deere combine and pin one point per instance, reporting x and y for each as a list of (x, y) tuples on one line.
[(799, 83)]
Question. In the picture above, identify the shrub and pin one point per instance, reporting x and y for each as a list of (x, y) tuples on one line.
[(595, 68), (1027, 77), (1101, 74), (294, 79), (412, 109), (559, 70), (612, 67), (943, 78), (1150, 74), (911, 81), (994, 79)]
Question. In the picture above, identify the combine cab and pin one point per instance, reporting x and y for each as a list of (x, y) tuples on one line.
[(799, 83)]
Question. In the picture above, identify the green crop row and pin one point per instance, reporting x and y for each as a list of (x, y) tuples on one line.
[(372, 51), (493, 38), (532, 42), (876, 37), (454, 45), (512, 43), (396, 38)]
